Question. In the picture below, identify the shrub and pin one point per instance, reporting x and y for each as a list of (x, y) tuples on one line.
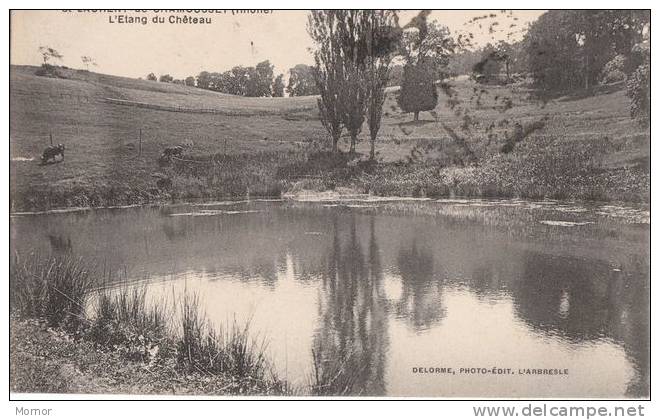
[(614, 70), (639, 91), (48, 70), (639, 84)]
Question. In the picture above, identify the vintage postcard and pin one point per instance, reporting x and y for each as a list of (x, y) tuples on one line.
[(330, 203)]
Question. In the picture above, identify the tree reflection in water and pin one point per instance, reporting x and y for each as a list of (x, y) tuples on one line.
[(585, 302), (418, 304), (351, 342)]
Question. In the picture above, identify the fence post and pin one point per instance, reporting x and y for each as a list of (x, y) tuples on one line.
[(140, 146), (51, 138)]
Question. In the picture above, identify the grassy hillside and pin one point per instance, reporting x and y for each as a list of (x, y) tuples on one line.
[(262, 144)]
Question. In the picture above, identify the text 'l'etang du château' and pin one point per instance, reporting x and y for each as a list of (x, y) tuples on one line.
[(180, 17)]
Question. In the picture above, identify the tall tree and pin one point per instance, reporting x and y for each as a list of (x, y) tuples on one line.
[(418, 91), (87, 61), (204, 80), (239, 80), (351, 28), (353, 55), (328, 71), (639, 82), (425, 49), (383, 35), (48, 53)]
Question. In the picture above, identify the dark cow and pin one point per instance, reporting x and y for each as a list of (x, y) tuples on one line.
[(169, 153), (52, 152), (173, 151)]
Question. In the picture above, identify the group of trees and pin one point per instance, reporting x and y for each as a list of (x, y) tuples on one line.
[(49, 54), (494, 62), (355, 51), (568, 49), (563, 50), (580, 48), (167, 78), (257, 81)]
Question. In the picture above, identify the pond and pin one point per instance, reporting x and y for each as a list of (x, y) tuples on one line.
[(425, 298)]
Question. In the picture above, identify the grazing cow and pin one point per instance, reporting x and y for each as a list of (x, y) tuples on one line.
[(173, 151), (170, 152), (52, 152)]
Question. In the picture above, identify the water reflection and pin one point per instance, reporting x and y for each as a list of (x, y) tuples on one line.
[(60, 244), (420, 303), (585, 301), (364, 295), (350, 344)]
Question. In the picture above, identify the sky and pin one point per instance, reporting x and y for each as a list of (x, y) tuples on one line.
[(184, 49)]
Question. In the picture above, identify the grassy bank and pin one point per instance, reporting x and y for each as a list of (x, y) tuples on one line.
[(543, 170), (546, 169), (66, 336), (193, 177), (46, 360)]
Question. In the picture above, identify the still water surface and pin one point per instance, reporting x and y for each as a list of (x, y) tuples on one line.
[(390, 286)]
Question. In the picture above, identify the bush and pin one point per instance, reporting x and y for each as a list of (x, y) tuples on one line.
[(639, 83), (48, 70), (613, 71), (639, 91)]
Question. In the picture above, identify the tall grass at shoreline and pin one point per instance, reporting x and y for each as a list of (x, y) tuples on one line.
[(50, 288), (334, 377), (123, 319), (228, 349)]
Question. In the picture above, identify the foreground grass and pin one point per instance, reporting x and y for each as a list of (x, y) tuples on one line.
[(117, 341), (47, 360)]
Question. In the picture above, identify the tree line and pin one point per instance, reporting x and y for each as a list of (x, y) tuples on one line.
[(257, 81)]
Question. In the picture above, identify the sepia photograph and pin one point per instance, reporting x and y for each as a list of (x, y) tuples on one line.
[(340, 203)]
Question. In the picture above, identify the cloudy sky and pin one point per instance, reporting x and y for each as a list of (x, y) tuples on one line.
[(134, 49)]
